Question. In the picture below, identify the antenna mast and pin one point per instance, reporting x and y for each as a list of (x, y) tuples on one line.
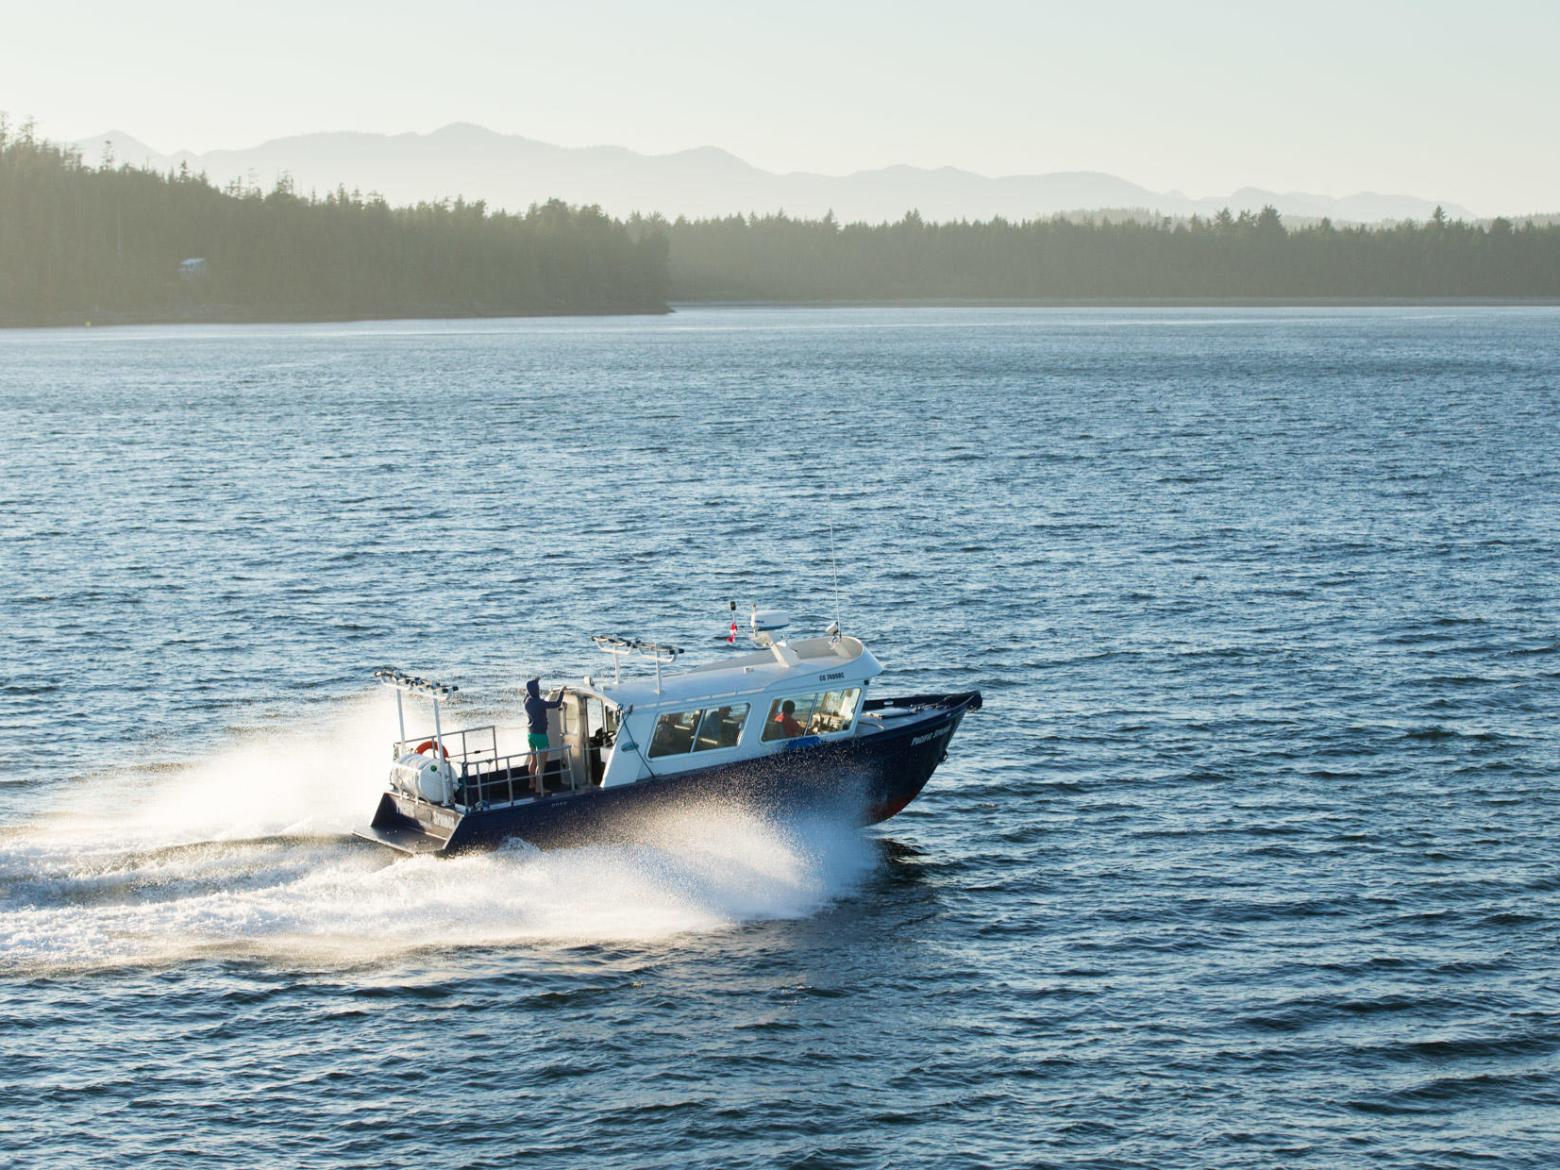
[(833, 559)]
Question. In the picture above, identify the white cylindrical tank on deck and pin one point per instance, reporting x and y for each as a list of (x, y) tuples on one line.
[(424, 776)]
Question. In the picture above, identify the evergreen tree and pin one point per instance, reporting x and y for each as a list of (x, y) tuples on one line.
[(111, 243)]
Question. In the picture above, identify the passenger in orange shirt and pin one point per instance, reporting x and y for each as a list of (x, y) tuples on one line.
[(787, 720)]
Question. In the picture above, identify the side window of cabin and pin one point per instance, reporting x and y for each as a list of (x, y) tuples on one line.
[(721, 727), (674, 733), (834, 711), (788, 717)]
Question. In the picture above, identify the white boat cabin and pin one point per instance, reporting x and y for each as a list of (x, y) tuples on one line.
[(770, 700)]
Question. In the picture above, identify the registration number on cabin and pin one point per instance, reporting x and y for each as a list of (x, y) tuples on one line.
[(830, 677)]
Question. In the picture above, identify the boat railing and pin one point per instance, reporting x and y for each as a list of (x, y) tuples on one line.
[(911, 704), (465, 745), (503, 780)]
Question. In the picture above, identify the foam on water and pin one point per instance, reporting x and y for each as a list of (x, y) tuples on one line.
[(245, 852)]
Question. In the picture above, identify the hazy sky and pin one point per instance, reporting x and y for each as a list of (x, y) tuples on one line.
[(1445, 100)]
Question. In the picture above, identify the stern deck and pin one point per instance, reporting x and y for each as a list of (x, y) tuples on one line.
[(403, 839)]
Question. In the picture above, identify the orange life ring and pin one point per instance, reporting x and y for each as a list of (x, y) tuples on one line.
[(428, 743)]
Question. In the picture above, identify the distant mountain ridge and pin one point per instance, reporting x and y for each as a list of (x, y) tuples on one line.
[(511, 171)]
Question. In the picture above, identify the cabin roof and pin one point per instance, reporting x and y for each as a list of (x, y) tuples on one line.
[(754, 671)]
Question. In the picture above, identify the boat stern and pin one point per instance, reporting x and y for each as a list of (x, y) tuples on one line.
[(411, 827)]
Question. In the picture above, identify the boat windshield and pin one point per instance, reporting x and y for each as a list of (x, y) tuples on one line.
[(819, 713)]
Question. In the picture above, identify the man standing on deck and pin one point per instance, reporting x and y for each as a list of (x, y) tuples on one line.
[(536, 709)]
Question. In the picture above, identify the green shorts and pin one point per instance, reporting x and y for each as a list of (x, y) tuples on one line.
[(537, 740)]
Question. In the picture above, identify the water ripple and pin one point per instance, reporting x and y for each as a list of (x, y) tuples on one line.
[(1248, 861)]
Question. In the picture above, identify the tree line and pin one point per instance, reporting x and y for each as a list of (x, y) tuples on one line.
[(106, 243), (1250, 255)]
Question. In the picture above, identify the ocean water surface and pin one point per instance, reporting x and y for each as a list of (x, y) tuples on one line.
[(1250, 859)]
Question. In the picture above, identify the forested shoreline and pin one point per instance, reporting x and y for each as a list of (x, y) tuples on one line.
[(118, 244), (1251, 256), (109, 244)]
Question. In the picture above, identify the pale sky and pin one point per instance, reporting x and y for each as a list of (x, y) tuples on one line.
[(1452, 101)]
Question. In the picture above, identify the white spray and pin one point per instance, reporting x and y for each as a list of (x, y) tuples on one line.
[(244, 853)]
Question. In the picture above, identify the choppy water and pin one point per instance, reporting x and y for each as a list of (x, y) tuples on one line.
[(1250, 860)]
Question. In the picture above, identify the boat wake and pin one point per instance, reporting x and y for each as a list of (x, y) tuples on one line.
[(245, 854)]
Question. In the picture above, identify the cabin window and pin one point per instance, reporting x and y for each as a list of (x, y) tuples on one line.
[(834, 711), (788, 717), (819, 714), (721, 727), (674, 733)]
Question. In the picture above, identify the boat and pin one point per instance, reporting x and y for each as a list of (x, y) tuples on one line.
[(782, 728)]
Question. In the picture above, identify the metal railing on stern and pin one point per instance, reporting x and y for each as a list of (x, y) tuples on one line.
[(520, 776), (467, 745)]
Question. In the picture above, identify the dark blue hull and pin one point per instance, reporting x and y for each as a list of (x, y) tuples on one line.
[(867, 778)]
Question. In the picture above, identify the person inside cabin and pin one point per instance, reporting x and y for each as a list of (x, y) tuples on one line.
[(665, 740), (789, 727), (718, 730), (536, 709)]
